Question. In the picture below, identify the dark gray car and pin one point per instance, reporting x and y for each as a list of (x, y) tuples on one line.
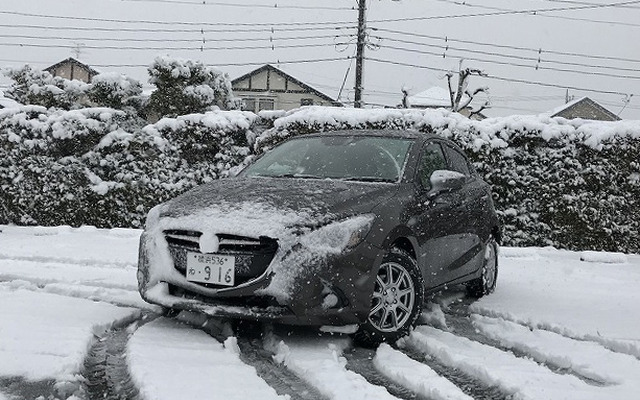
[(347, 230)]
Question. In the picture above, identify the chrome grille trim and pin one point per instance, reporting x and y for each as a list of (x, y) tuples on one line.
[(193, 239), (236, 242)]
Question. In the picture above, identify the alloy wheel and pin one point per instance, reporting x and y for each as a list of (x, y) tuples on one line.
[(490, 267), (394, 295)]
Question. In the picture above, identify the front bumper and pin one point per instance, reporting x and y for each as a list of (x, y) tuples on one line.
[(331, 290)]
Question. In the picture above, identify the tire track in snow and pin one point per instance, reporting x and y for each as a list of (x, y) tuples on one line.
[(20, 387), (468, 384), (67, 260), (252, 352), (319, 360), (628, 347), (360, 361), (106, 374), (117, 297), (587, 358), (458, 318), (520, 377)]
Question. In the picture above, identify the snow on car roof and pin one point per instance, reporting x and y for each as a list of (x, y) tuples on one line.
[(408, 134)]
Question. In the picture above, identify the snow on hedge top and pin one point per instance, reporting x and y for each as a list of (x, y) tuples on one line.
[(492, 132), (226, 121), (59, 124)]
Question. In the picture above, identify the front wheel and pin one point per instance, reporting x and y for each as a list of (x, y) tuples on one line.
[(396, 300), (486, 283)]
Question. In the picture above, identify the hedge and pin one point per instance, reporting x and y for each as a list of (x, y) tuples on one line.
[(569, 184)]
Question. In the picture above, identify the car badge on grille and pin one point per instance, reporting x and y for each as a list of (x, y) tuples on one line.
[(209, 243)]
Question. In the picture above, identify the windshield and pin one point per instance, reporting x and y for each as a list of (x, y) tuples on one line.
[(360, 158)]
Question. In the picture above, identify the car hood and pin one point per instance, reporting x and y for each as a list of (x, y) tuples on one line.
[(313, 201)]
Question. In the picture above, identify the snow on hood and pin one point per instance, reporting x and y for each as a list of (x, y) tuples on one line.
[(311, 220), (238, 204)]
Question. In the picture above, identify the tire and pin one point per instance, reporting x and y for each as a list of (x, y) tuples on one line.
[(396, 303), (169, 312), (486, 283)]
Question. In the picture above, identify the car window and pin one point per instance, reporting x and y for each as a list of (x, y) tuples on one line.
[(363, 158), (432, 160), (457, 161)]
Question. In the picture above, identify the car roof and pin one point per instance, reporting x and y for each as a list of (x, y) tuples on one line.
[(395, 133)]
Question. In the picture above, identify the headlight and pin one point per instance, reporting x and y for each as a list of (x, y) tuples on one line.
[(359, 234), (340, 235)]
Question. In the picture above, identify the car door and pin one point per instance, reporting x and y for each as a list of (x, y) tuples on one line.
[(435, 220), (468, 225)]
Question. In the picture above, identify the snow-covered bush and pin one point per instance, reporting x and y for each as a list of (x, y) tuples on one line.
[(35, 87), (186, 87), (42, 174), (570, 184), (114, 90), (82, 167)]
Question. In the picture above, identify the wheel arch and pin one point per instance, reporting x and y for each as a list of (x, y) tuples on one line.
[(402, 238)]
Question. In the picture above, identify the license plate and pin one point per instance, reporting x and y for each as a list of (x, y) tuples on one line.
[(216, 269)]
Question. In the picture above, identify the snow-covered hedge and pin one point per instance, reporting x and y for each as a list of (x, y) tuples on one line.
[(93, 166), (570, 184)]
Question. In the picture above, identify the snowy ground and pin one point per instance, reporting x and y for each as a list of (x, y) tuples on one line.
[(561, 325)]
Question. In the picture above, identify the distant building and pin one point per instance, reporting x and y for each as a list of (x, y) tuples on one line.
[(437, 97), (584, 108), (72, 69), (269, 88)]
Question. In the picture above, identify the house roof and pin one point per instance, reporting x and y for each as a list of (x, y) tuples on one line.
[(72, 60), (566, 110), (280, 72), (432, 97)]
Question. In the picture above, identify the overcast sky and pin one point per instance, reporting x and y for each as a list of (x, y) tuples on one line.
[(592, 50)]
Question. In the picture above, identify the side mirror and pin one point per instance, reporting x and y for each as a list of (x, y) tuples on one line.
[(445, 181)]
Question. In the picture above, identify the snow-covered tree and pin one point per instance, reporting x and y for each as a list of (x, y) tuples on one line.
[(36, 87), (114, 90), (186, 87), (461, 96)]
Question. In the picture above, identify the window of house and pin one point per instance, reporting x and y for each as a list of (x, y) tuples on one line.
[(249, 104), (306, 102), (266, 104)]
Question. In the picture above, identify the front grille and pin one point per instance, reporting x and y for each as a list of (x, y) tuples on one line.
[(252, 255)]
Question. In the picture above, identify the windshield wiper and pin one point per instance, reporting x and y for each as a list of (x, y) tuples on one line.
[(302, 176), (368, 179)]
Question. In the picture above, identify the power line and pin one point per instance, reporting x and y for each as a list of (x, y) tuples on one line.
[(243, 64), (502, 46), (199, 48), (587, 3), (174, 40), (184, 23), (509, 12), (465, 3), (215, 3), (513, 64), (271, 29), (537, 60), (505, 79)]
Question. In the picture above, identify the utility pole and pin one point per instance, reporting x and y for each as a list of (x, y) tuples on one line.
[(362, 38)]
